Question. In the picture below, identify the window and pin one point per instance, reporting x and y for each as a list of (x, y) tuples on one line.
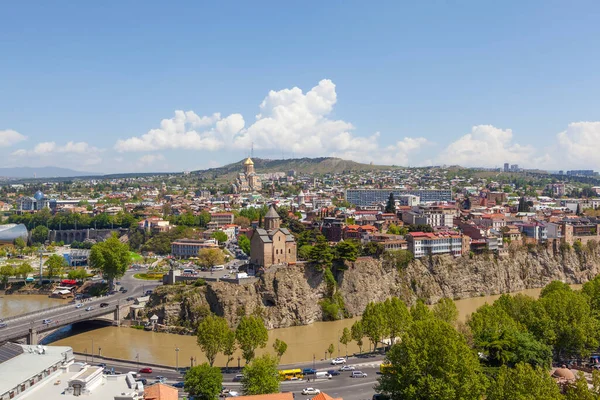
[(289, 251)]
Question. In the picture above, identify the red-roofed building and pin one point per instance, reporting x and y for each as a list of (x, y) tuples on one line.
[(426, 243)]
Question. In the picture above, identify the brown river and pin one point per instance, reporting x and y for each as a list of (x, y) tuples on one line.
[(304, 342)]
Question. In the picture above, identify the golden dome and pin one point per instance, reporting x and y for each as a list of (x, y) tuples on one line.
[(248, 161)]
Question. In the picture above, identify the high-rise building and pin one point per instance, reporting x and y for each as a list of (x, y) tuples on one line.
[(506, 167), (367, 197)]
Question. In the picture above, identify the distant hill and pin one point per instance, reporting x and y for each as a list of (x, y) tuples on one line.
[(321, 165), (41, 172)]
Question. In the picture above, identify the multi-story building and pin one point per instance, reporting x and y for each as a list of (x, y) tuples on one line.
[(331, 228), (408, 200), (220, 219), (581, 172), (154, 225), (535, 230), (422, 244), (365, 197), (434, 215), (579, 230), (273, 244), (35, 203), (185, 248)]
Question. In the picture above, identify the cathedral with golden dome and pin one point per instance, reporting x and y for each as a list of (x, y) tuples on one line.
[(247, 180)]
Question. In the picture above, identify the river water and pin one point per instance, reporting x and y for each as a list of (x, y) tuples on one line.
[(304, 342), (14, 304)]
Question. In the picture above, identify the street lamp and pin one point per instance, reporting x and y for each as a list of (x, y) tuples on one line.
[(325, 358), (99, 351), (137, 357), (177, 358), (191, 361), (92, 350), (314, 362), (85, 351), (238, 362)]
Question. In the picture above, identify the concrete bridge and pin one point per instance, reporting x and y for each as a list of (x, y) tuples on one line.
[(31, 326), (68, 236)]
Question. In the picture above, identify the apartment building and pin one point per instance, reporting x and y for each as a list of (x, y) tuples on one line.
[(185, 248), (220, 219), (434, 215), (365, 197), (422, 244)]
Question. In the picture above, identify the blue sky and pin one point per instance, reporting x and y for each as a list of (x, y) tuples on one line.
[(157, 86)]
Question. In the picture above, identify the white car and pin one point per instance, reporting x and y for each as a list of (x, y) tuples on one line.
[(79, 305), (339, 360), (90, 308), (232, 393), (47, 321), (310, 391), (348, 368)]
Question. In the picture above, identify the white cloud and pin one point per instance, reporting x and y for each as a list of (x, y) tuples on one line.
[(486, 146), (8, 137), (149, 159), (577, 144), (72, 153), (288, 120)]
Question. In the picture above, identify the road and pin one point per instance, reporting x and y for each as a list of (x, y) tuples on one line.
[(339, 386), (62, 315)]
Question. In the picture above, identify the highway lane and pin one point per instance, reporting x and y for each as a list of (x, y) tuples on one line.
[(61, 315)]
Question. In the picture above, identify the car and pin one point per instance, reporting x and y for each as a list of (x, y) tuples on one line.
[(310, 391), (89, 308), (112, 292), (333, 372), (47, 321), (309, 371), (358, 374), (102, 365), (146, 370), (238, 378), (148, 292), (347, 368), (161, 378), (179, 385), (102, 305), (226, 276), (117, 283), (339, 360), (143, 380), (130, 298), (78, 305), (124, 291), (232, 393), (3, 325)]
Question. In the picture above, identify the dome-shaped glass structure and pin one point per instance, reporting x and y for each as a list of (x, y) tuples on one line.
[(38, 195), (9, 232)]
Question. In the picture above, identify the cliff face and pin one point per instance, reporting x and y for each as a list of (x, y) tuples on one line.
[(290, 296)]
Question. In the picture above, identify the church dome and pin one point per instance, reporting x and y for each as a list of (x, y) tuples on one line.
[(248, 161)]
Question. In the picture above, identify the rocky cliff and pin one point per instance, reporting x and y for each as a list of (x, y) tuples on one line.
[(290, 296)]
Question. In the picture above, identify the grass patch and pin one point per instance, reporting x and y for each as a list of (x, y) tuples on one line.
[(148, 277), (135, 257)]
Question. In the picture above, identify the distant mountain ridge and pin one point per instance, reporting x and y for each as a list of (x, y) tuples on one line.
[(41, 172), (302, 165)]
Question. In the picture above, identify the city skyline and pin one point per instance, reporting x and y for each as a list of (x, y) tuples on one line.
[(168, 89)]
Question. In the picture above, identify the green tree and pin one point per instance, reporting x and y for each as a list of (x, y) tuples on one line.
[(397, 317), (111, 257), (229, 347), (261, 376), (321, 254), (374, 323), (20, 243), (420, 311), (580, 390), (390, 207), (446, 310), (55, 265), (242, 221), (356, 331), (523, 382), (280, 348), (78, 273), (393, 229), (211, 334), (204, 382), (211, 257), (6, 271), (39, 234), (24, 270), (373, 249), (432, 361), (244, 244), (220, 236), (330, 349), (399, 258), (304, 252), (251, 334), (346, 251), (345, 339)]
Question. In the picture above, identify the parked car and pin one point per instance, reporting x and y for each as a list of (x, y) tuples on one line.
[(308, 371), (310, 391), (379, 396), (90, 308), (238, 378), (179, 385), (339, 360), (148, 292), (3, 325), (102, 305), (358, 374), (232, 393), (102, 365), (130, 298), (124, 291), (347, 368), (146, 370), (333, 372)]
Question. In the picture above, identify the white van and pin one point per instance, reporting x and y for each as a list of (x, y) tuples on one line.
[(218, 268), (323, 375)]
